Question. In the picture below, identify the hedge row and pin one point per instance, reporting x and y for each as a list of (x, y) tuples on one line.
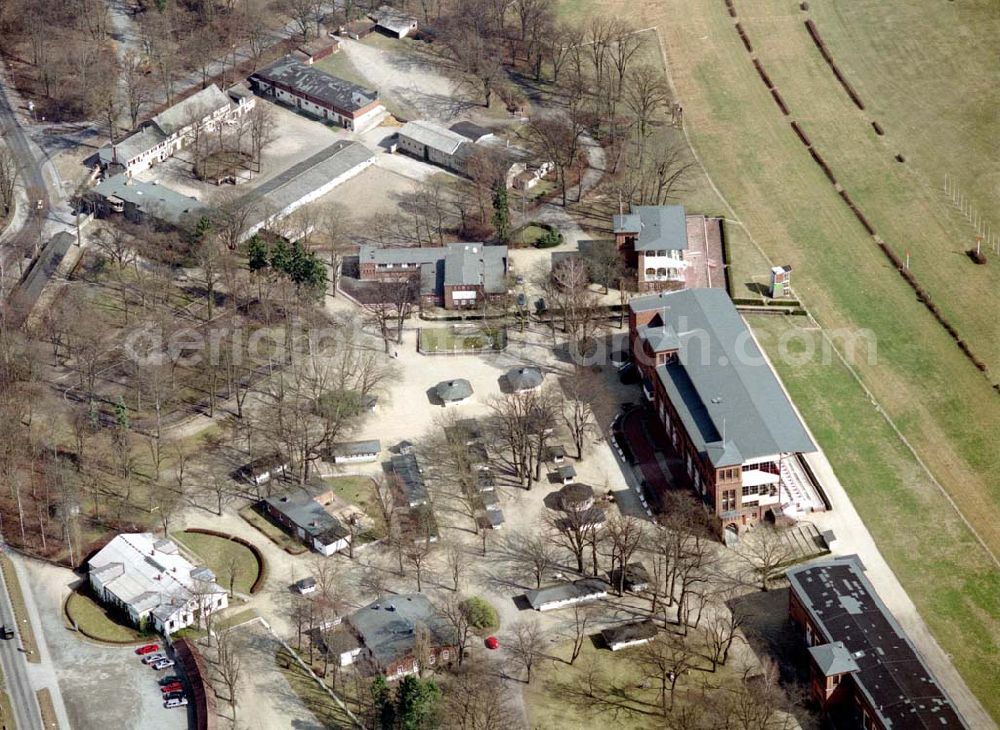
[(743, 37), (779, 101), (821, 45), (258, 556), (801, 134), (731, 8), (823, 166), (878, 129), (763, 74)]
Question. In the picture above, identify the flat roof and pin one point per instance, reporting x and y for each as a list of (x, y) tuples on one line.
[(310, 81), (844, 606), (659, 227), (727, 396)]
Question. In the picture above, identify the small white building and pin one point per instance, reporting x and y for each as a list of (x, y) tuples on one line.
[(562, 595), (393, 21), (354, 452), (623, 636), (433, 143), (153, 583)]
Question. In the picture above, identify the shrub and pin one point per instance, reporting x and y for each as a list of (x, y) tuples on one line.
[(878, 129), (743, 37), (480, 613), (977, 256), (900, 158), (779, 101), (763, 74), (550, 239)]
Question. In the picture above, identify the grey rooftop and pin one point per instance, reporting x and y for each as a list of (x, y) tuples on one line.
[(310, 81), (527, 378), (578, 590), (658, 227), (451, 391)]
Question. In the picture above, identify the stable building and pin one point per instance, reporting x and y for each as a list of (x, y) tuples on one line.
[(315, 92), (393, 21), (433, 143), (148, 579), (456, 276), (864, 670), (307, 513), (721, 405), (627, 635), (567, 594)]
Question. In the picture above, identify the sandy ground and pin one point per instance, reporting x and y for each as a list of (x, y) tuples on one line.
[(102, 686)]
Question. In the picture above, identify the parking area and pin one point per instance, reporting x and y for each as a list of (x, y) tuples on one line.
[(102, 686)]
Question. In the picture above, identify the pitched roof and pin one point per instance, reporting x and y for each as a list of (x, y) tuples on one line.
[(433, 135), (192, 109), (310, 81), (356, 448), (453, 390), (845, 608), (154, 200), (393, 19), (833, 658), (660, 227), (470, 130), (132, 146), (388, 627), (577, 589), (727, 396), (411, 481), (146, 573), (525, 378), (300, 507), (458, 264), (634, 631)]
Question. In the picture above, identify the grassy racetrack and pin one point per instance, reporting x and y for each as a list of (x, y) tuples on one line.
[(927, 72)]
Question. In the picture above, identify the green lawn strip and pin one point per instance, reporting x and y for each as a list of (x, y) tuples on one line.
[(446, 339), (217, 554), (944, 406), (270, 530), (234, 619), (944, 570), (95, 622), (316, 700), (24, 628), (6, 708)]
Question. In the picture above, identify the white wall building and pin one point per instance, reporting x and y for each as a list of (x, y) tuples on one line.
[(151, 581)]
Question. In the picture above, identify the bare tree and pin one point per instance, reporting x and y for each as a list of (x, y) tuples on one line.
[(582, 616), (229, 666), (646, 93), (526, 645), (416, 555), (722, 628), (767, 552), (533, 554), (578, 390), (8, 179), (665, 659), (475, 699), (557, 139), (625, 533), (456, 560), (476, 59), (454, 612)]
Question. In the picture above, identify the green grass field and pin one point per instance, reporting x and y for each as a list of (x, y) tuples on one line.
[(945, 571), (217, 554), (95, 622), (360, 491), (448, 339), (926, 73)]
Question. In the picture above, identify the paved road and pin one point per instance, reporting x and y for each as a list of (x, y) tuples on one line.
[(15, 671)]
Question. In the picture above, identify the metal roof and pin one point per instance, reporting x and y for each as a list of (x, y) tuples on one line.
[(433, 135), (727, 396), (844, 606), (310, 81), (453, 390), (192, 109), (659, 227)]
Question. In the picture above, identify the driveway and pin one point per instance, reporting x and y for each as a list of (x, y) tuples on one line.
[(101, 686)]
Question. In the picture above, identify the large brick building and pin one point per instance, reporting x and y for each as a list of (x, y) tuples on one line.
[(720, 403), (320, 94), (456, 276), (652, 240), (864, 672)]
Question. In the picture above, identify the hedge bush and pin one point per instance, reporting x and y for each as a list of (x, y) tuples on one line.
[(878, 129), (763, 74)]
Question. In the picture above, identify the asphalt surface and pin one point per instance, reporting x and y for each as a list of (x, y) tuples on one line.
[(15, 670), (16, 139)]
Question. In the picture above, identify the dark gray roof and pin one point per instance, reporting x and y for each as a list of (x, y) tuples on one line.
[(356, 448), (433, 136), (453, 390), (411, 481), (524, 378), (720, 382), (578, 589), (301, 508), (388, 626), (661, 338), (635, 575), (576, 492), (154, 200), (310, 81), (844, 606), (567, 472), (458, 264), (660, 227), (635, 631)]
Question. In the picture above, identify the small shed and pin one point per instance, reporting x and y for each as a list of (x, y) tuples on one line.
[(354, 452), (316, 49), (636, 577), (264, 468), (524, 379), (357, 29), (556, 453), (566, 473), (636, 633), (393, 21), (453, 391)]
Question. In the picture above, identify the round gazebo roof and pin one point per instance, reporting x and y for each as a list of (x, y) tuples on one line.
[(453, 390), (576, 496), (525, 378)]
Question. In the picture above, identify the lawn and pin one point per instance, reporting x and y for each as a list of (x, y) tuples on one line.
[(451, 339), (360, 492), (527, 235), (95, 622), (271, 531), (319, 702), (945, 571), (219, 554)]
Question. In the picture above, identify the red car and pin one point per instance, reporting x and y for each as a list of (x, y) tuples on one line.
[(147, 649), (492, 643), (172, 687)]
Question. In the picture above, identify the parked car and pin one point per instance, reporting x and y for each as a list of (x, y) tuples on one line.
[(153, 658), (172, 687), (169, 679), (6, 632), (492, 643), (306, 586), (177, 695), (175, 702), (163, 664), (147, 649)]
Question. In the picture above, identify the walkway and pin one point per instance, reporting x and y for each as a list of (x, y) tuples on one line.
[(657, 479)]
